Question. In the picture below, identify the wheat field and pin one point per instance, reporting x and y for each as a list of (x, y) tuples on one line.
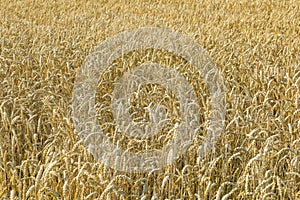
[(255, 46)]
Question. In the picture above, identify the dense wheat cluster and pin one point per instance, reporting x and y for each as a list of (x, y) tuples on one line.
[(255, 46)]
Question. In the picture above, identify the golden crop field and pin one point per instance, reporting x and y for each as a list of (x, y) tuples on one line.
[(255, 46)]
